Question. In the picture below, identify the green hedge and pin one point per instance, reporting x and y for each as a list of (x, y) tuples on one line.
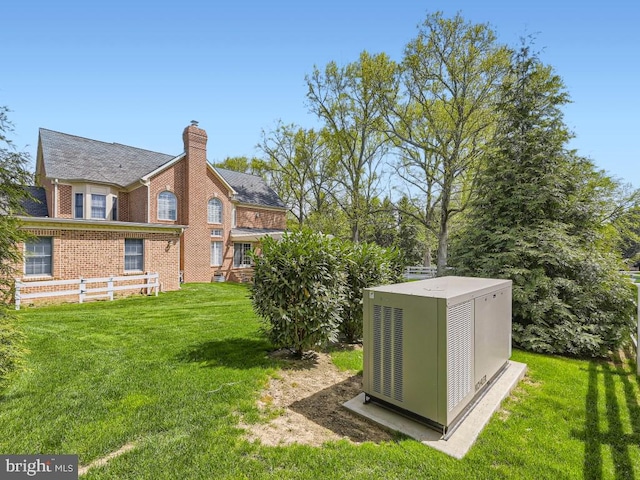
[(308, 287)]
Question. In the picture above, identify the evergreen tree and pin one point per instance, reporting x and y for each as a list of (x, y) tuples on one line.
[(14, 178), (536, 221)]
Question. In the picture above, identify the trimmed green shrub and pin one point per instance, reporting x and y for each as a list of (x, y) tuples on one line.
[(367, 265), (298, 290)]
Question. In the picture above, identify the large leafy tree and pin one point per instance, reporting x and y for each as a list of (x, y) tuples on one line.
[(382, 227), (409, 240), (344, 98), (301, 168), (14, 178), (441, 117), (253, 166), (538, 220)]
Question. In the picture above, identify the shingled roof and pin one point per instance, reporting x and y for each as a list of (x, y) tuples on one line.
[(250, 189), (36, 204), (69, 157)]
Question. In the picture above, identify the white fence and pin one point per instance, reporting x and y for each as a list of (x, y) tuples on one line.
[(635, 277), (419, 272), (80, 286)]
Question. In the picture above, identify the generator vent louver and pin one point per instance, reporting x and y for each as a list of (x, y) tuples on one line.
[(397, 353), (387, 356), (459, 353)]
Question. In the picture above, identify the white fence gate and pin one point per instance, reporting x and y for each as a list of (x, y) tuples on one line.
[(80, 286)]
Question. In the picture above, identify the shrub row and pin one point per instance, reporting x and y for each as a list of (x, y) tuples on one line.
[(308, 287)]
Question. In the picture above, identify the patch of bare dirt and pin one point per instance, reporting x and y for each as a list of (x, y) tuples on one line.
[(82, 470), (309, 394)]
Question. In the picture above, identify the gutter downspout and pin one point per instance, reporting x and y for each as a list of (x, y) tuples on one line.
[(55, 198)]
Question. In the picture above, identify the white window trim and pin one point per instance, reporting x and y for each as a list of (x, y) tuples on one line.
[(115, 212), (106, 208), (209, 203), (125, 256), (159, 211), (221, 253), (37, 275), (75, 203), (242, 265)]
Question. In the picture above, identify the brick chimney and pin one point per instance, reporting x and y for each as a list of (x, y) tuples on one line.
[(196, 242)]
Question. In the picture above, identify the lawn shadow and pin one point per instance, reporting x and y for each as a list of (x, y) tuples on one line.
[(615, 438), (326, 409), (287, 360), (241, 353)]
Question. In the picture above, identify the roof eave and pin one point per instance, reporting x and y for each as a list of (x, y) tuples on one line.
[(161, 168), (259, 205), (256, 237), (83, 180), (80, 224)]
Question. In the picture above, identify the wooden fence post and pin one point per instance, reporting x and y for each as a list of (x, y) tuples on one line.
[(83, 290), (110, 288)]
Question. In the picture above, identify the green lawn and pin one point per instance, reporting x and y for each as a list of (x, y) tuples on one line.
[(173, 374)]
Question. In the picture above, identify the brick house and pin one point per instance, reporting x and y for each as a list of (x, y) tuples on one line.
[(109, 209)]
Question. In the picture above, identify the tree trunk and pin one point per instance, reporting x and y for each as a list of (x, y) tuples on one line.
[(427, 256), (443, 239), (355, 233), (443, 233)]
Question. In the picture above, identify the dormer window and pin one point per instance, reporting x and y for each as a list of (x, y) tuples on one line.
[(114, 208), (79, 206), (167, 206), (214, 211), (98, 206)]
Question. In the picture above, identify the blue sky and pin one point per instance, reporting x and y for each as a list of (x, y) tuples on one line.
[(136, 72)]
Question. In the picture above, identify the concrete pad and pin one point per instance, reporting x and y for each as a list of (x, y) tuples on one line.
[(469, 428)]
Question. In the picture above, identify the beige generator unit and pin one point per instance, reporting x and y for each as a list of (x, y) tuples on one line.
[(432, 347)]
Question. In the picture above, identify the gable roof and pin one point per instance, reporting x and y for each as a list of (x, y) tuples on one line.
[(70, 157), (250, 189)]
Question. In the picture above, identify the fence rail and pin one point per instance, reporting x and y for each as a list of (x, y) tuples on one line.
[(635, 278), (418, 272), (80, 287)]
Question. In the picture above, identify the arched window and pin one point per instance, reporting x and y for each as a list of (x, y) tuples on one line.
[(167, 206), (214, 211)]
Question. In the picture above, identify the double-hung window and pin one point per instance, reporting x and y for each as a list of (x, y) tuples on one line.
[(133, 254), (216, 254), (37, 258), (98, 206), (167, 206), (114, 208), (79, 207), (241, 255)]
